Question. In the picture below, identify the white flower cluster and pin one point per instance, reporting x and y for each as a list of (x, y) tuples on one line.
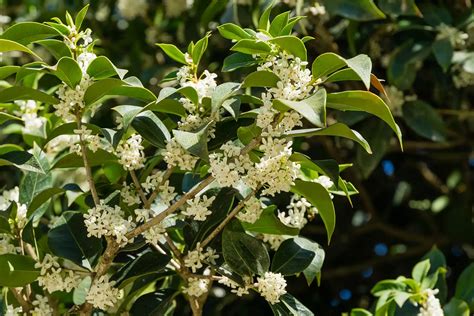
[(130, 9), (53, 278), (462, 78), (29, 114), (130, 153), (229, 166), (204, 85), (198, 208), (274, 241), (271, 286), (105, 220), (13, 311), (13, 195), (93, 142), (252, 210), (60, 143), (195, 258), (5, 245), (176, 156), (74, 38), (71, 100), (41, 306), (155, 234), (431, 306), (456, 37), (129, 195), (296, 212), (154, 182), (196, 287), (84, 60), (236, 288), (103, 294)]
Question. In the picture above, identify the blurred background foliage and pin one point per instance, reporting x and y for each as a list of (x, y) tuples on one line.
[(409, 201)]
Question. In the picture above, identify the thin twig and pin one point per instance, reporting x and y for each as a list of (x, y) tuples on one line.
[(229, 217), (25, 305), (138, 187), (155, 192)]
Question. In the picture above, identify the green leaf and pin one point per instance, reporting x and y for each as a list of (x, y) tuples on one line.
[(193, 142), (327, 63), (128, 113), (236, 61), (456, 307), (424, 120), (400, 7), (7, 46), (42, 197), (69, 240), (101, 68), (80, 17), (73, 160), (264, 21), (360, 10), (338, 129), (465, 286), (25, 93), (132, 87), (291, 44), (7, 71), (199, 49), (81, 291), (20, 159), (232, 106), (364, 101), (222, 93), (312, 108), (290, 306), (27, 32), (232, 31), (293, 256), (420, 270), (251, 46), (314, 268), (173, 52), (247, 133), (146, 263), (151, 128), (68, 71), (360, 312), (17, 270), (100, 89), (262, 78), (319, 197), (157, 303), (443, 52), (269, 223), (170, 106), (279, 23), (56, 48), (7, 117), (245, 255)]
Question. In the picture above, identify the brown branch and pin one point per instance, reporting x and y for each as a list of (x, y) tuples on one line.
[(138, 187), (25, 305)]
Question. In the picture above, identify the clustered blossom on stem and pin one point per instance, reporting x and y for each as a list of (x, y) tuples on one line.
[(166, 192), (53, 278), (92, 141), (105, 220), (41, 306), (71, 100), (228, 165), (176, 156), (130, 153), (273, 240), (129, 195), (236, 288), (198, 208), (6, 199), (196, 287), (252, 210), (103, 294), (155, 234), (271, 286), (29, 114), (431, 306), (13, 311), (195, 258)]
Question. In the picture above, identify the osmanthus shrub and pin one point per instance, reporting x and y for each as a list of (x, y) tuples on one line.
[(194, 188)]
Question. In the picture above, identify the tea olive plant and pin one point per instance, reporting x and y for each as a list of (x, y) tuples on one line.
[(182, 190)]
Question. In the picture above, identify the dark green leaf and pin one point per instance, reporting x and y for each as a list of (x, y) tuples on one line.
[(56, 48), (101, 68), (17, 270), (151, 128), (424, 120), (68, 71), (456, 307), (262, 78), (269, 223), (236, 61), (25, 93), (465, 286), (360, 10), (73, 160), (27, 32), (146, 263), (290, 306), (292, 45), (293, 256), (251, 46), (154, 304), (193, 142), (312, 108), (443, 51)]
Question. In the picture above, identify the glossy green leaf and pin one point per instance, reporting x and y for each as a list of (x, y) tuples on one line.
[(236, 61), (245, 255), (173, 52), (42, 197), (68, 71), (327, 63), (262, 78), (290, 306), (8, 117), (7, 46), (456, 307), (465, 286), (232, 31), (101, 68), (80, 17), (25, 93), (264, 21), (292, 45), (319, 197), (199, 49), (312, 108), (157, 303), (443, 51), (151, 128), (269, 223), (193, 142), (338, 129), (278, 23), (73, 160), (69, 240), (17, 270), (146, 263), (56, 48), (251, 46), (27, 32), (364, 101), (293, 256), (7, 71)]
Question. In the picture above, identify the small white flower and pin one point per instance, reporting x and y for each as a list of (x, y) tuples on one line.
[(41, 306), (431, 306), (177, 156), (198, 208), (103, 294), (271, 286), (129, 195), (252, 210), (13, 311), (196, 287), (85, 59), (130, 153)]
